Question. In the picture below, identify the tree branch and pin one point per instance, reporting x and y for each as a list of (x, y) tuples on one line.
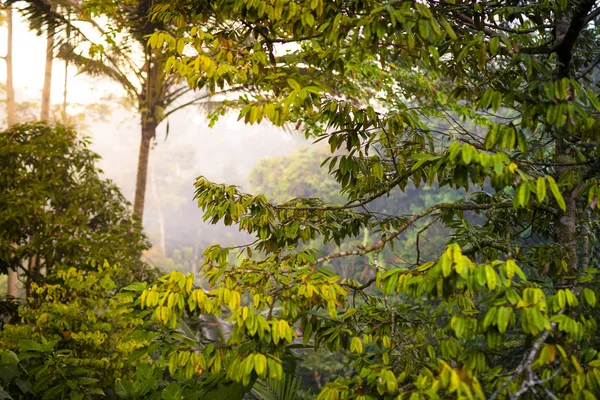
[(357, 202), (526, 364), (592, 15), (199, 98), (584, 71), (385, 239), (564, 50)]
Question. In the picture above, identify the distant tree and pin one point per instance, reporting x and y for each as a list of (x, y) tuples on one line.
[(48, 65), (11, 118), (283, 179), (56, 210)]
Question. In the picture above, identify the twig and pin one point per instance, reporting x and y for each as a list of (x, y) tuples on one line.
[(384, 239)]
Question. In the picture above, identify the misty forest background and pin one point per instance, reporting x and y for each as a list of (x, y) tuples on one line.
[(227, 152)]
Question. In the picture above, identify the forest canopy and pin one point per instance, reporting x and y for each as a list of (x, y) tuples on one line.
[(488, 112)]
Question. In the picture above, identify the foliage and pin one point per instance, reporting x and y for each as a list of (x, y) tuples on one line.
[(11, 372), (56, 210), (70, 343), (287, 388), (298, 175), (496, 100), (301, 175)]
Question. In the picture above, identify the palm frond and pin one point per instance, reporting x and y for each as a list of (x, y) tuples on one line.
[(95, 67), (41, 14), (287, 388), (56, 15)]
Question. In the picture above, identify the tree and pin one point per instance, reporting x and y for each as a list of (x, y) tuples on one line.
[(301, 175), (508, 310), (11, 109), (56, 210), (11, 117), (71, 341), (124, 57)]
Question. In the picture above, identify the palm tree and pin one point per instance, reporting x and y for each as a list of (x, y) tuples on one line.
[(126, 60)]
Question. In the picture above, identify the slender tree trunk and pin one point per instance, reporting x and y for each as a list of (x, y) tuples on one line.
[(66, 81), (161, 218), (11, 119), (11, 112), (566, 233), (45, 114), (148, 132), (65, 85)]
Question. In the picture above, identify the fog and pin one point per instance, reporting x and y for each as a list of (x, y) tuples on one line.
[(225, 153)]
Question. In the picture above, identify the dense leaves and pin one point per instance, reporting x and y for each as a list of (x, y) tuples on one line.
[(496, 104), (71, 342), (488, 98), (57, 210)]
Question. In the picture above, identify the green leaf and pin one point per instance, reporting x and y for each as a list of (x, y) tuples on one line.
[(467, 153), (76, 395), (522, 194), (171, 392), (540, 189), (136, 287), (556, 192), (491, 277), (589, 296)]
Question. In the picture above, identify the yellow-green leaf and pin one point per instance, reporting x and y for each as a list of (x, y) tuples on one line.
[(556, 193)]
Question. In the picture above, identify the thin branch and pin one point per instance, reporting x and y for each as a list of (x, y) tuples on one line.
[(357, 202), (592, 15), (385, 239), (199, 98), (526, 364), (584, 71)]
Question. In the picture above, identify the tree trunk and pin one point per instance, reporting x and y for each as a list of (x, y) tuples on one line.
[(585, 250), (65, 85), (11, 112), (566, 233), (161, 218), (565, 227), (45, 114), (148, 132), (11, 119)]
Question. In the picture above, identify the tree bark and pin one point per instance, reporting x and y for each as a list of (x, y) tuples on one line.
[(585, 250), (66, 81), (11, 119), (45, 114), (11, 112), (566, 231), (148, 133), (161, 218), (568, 28)]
